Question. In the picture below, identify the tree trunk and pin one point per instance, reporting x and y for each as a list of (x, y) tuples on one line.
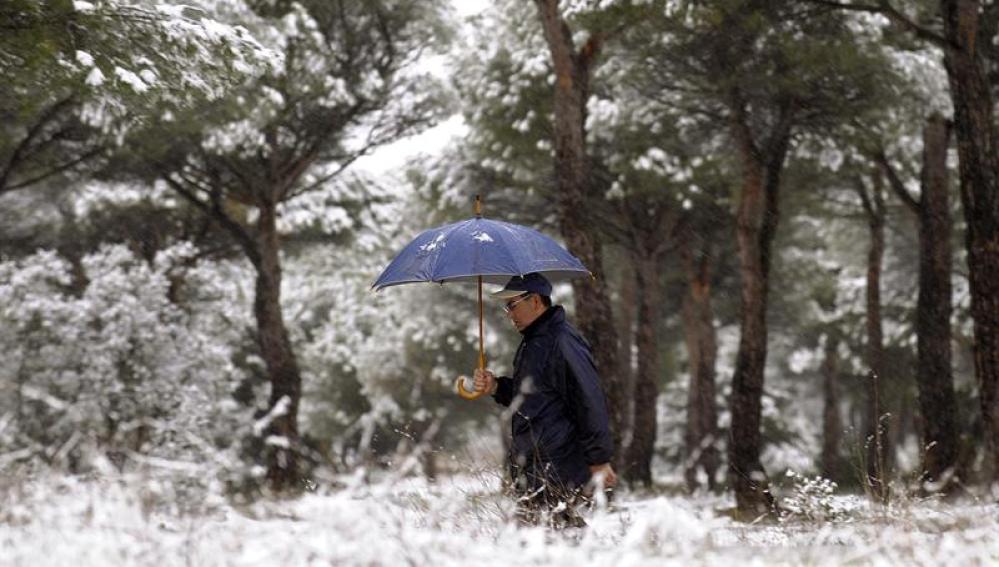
[(701, 435), (934, 378), (873, 428), (933, 374), (275, 348), (974, 126), (756, 225), (747, 475), (572, 176), (902, 422), (626, 310), (642, 448), (831, 462)]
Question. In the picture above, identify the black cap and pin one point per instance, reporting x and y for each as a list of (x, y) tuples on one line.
[(518, 285)]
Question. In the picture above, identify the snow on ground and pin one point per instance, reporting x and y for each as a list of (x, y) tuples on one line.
[(462, 521)]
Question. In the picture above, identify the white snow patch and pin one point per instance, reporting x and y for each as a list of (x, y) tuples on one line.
[(440, 240), (84, 58), (95, 78), (131, 79), (148, 76), (279, 409)]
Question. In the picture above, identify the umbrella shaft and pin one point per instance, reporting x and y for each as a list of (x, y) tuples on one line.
[(482, 350)]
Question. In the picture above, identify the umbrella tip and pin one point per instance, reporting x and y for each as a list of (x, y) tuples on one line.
[(478, 206)]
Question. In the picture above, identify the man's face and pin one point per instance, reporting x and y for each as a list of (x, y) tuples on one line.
[(524, 309)]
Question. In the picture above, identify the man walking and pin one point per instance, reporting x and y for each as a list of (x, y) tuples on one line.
[(562, 444)]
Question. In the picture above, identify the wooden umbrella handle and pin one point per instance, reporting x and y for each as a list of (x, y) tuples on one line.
[(465, 394), (459, 387)]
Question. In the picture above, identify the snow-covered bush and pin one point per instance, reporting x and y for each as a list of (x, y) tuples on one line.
[(98, 367), (813, 498)]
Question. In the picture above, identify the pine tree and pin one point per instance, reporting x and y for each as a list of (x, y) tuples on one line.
[(339, 87)]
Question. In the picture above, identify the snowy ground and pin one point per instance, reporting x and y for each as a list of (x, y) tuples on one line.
[(464, 521)]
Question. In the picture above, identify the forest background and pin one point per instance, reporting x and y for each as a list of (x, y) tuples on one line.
[(790, 209)]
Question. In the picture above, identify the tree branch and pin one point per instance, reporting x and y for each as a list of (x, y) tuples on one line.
[(559, 39), (885, 8), (776, 145), (324, 179), (669, 226), (740, 123), (865, 200), (895, 182), (215, 211), (54, 171), (591, 50), (18, 154)]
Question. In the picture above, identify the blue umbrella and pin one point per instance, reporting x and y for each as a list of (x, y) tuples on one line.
[(479, 250)]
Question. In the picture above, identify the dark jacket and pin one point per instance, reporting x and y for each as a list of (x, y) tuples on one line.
[(559, 411)]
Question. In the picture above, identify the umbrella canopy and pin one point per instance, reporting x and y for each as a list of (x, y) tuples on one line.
[(478, 247)]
